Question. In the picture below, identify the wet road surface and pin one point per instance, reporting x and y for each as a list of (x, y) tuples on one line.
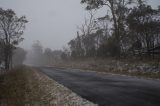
[(107, 89)]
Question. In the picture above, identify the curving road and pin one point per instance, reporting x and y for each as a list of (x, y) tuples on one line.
[(107, 89)]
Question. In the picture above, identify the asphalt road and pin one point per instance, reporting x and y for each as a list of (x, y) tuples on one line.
[(108, 89)]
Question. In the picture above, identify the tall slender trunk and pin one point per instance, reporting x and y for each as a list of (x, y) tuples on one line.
[(116, 30), (10, 61), (6, 60), (8, 57)]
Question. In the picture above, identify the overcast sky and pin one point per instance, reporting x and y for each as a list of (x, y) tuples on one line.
[(52, 22)]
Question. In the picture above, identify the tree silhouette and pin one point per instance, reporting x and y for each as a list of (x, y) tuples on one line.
[(11, 29)]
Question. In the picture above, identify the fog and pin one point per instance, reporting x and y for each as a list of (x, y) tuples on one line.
[(52, 22), (106, 51)]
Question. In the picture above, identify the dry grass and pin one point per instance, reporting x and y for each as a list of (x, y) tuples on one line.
[(130, 67), (12, 88)]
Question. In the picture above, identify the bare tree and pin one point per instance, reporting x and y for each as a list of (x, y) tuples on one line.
[(86, 37)]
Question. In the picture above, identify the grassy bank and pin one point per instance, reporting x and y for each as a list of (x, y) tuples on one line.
[(18, 87), (134, 67)]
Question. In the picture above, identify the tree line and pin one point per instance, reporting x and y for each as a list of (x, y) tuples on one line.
[(39, 56), (129, 27)]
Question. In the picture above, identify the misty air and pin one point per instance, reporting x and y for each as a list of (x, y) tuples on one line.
[(79, 53)]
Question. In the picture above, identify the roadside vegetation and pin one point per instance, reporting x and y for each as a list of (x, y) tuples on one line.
[(18, 87), (125, 40), (13, 87), (142, 69)]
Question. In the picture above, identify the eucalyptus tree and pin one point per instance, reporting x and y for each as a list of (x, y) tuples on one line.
[(1, 52), (144, 22), (11, 31), (118, 10)]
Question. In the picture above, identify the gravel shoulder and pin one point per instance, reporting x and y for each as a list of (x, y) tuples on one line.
[(27, 86)]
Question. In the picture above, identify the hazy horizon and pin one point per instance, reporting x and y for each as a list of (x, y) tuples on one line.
[(53, 23)]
